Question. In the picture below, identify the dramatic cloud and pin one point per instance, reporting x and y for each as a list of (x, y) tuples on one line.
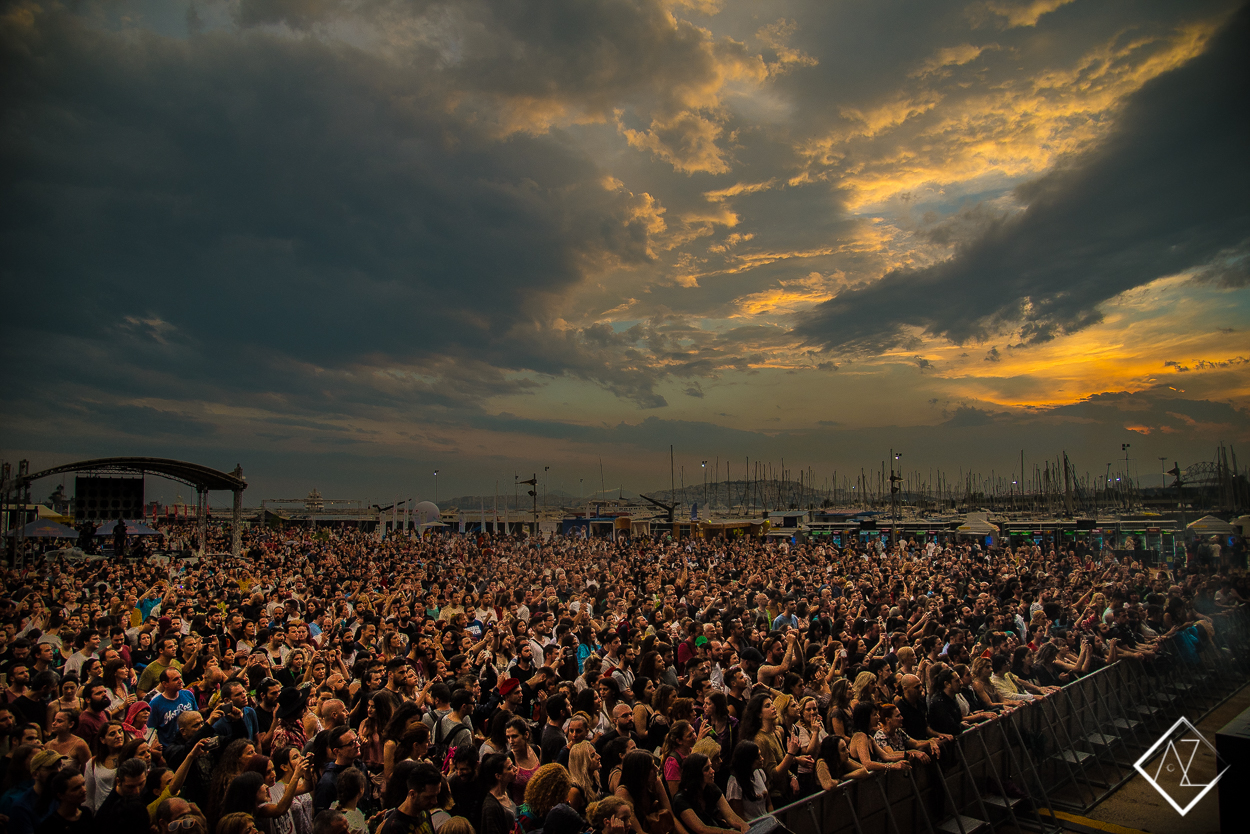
[(361, 236), (1131, 210)]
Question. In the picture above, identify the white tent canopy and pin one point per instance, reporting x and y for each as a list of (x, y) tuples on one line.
[(977, 524), (1209, 525)]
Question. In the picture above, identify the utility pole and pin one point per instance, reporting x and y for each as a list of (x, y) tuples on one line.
[(894, 489), (533, 493), (546, 482), (704, 468), (1127, 481)]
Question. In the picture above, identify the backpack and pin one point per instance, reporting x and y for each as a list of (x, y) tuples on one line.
[(443, 750)]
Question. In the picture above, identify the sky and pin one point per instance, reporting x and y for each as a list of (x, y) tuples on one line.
[(345, 244)]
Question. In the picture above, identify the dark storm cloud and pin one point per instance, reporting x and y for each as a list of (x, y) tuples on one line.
[(205, 208), (1164, 192)]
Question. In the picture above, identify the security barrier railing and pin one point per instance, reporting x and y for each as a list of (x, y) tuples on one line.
[(1069, 751)]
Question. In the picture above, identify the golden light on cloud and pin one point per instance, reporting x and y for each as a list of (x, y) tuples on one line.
[(1022, 12), (953, 56), (938, 136), (1109, 356), (787, 297)]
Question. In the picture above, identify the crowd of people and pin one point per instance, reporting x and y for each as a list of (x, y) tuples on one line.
[(332, 681)]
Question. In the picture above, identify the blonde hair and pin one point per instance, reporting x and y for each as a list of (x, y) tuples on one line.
[(706, 747), (457, 825), (782, 705), (803, 702), (862, 681), (580, 771), (981, 664), (597, 813)]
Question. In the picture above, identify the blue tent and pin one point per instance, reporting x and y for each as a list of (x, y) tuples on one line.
[(46, 529), (133, 528)]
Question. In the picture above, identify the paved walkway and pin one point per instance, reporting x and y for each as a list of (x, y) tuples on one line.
[(1138, 806)]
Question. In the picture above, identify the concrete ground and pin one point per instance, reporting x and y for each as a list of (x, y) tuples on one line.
[(1137, 805)]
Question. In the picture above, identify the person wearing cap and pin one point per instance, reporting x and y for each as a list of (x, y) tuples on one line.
[(36, 804)]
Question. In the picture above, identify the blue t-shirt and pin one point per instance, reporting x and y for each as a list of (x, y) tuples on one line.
[(164, 715)]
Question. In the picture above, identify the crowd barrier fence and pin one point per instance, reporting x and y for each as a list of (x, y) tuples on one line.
[(1068, 751)]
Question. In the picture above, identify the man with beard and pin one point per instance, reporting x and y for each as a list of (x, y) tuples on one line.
[(96, 714), (623, 727)]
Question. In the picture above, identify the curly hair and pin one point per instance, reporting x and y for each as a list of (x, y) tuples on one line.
[(547, 788)]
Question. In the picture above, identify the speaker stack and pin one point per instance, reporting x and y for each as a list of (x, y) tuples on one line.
[(108, 499)]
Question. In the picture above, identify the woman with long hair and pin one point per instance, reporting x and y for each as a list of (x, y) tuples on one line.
[(101, 770), (967, 699), (495, 775), (381, 707), (524, 755), (288, 720), (722, 728), (747, 790), (699, 804), (864, 747), (644, 690), (987, 696), (250, 793), (143, 653), (406, 737), (810, 732), (835, 763), (759, 724), (614, 752), (496, 736), (864, 687), (120, 680), (658, 723), (640, 787), (228, 766), (677, 746), (283, 772), (839, 714), (584, 766)]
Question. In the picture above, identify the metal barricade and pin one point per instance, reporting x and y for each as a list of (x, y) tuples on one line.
[(1070, 750)]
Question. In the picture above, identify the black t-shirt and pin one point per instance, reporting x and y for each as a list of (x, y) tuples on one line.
[(915, 723), (553, 741), (57, 824), (944, 715), (709, 814)]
